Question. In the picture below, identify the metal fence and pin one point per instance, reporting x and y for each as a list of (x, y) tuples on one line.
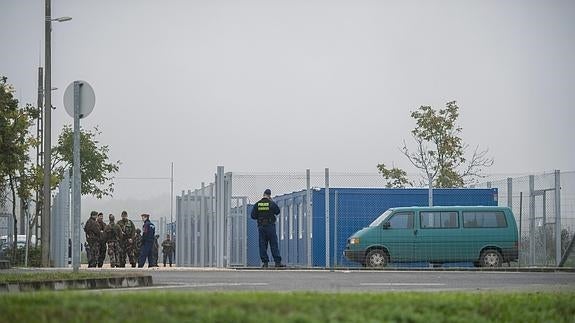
[(61, 237), (544, 208), (213, 227)]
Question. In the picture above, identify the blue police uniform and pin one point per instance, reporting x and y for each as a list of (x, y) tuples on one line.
[(265, 212), (148, 233)]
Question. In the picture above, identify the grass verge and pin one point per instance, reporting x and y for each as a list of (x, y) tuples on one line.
[(287, 307), (51, 276)]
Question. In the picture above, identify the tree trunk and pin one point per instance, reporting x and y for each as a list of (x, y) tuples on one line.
[(15, 243)]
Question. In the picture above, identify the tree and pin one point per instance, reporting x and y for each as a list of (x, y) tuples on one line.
[(95, 166), (15, 143), (396, 177), (440, 151)]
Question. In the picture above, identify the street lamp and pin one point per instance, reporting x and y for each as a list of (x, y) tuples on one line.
[(47, 132)]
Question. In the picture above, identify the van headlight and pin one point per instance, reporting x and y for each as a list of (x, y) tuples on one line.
[(353, 240)]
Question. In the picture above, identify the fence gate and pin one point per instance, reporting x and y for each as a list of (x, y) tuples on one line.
[(544, 224)]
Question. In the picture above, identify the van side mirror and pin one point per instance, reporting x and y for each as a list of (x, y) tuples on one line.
[(386, 225)]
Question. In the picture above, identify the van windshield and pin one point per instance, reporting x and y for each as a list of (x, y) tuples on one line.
[(380, 218)]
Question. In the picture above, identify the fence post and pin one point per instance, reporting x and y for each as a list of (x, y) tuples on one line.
[(212, 229), (557, 217), (510, 192), (203, 227), (228, 219), (309, 218), (327, 259), (430, 190), (335, 255), (531, 220), (179, 224), (220, 216), (189, 228)]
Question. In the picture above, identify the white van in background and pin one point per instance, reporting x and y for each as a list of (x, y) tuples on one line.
[(21, 240)]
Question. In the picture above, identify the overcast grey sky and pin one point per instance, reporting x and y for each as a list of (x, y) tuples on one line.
[(319, 83)]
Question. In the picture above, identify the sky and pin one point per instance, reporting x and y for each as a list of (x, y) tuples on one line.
[(282, 86)]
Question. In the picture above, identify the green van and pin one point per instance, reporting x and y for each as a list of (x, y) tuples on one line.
[(484, 235)]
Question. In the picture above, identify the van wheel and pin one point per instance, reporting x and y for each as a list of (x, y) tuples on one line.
[(376, 258), (491, 258)]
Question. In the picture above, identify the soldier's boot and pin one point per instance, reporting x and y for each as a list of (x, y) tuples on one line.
[(280, 265)]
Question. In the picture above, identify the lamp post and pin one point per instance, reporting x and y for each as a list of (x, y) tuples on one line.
[(47, 132)]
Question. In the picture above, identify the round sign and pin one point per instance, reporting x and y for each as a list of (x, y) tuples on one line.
[(87, 99)]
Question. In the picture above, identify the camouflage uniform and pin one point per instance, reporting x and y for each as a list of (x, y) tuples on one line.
[(155, 252), (168, 250), (127, 242), (113, 234), (102, 246), (93, 236), (138, 243)]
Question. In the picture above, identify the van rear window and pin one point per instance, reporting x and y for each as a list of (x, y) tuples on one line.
[(490, 219)]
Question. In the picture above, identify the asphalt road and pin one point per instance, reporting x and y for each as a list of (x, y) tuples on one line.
[(357, 281)]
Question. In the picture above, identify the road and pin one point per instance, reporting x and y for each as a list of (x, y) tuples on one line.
[(357, 281)]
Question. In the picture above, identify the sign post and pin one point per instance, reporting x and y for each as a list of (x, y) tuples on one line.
[(79, 101)]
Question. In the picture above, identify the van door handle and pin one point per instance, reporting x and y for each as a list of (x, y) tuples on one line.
[(415, 232)]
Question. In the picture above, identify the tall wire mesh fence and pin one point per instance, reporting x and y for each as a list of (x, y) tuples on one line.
[(320, 211), (544, 208)]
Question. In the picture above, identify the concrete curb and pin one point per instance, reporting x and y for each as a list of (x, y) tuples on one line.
[(88, 283), (438, 269)]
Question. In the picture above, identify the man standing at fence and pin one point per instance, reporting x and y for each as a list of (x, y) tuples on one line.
[(93, 236), (148, 235), (265, 212), (127, 240)]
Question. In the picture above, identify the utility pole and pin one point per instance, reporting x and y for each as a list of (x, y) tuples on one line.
[(47, 136), (172, 202), (39, 149)]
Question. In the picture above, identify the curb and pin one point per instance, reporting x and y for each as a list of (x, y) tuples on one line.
[(89, 283), (424, 269)]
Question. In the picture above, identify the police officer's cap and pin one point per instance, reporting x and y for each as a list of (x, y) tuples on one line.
[(268, 192)]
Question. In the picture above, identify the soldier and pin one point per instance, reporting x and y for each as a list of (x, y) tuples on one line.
[(155, 252), (138, 242), (168, 249), (127, 240), (113, 234), (93, 236), (102, 250)]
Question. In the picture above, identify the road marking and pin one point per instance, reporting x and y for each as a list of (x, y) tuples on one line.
[(180, 285), (402, 284)]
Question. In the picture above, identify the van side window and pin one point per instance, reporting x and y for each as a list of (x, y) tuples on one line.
[(436, 220), (402, 220), (493, 219)]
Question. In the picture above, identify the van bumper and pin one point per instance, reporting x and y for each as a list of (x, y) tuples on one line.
[(510, 254), (354, 255)]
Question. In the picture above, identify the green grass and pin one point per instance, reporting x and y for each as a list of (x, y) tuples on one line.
[(260, 307), (44, 276)]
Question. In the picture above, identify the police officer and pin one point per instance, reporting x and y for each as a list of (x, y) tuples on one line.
[(148, 236), (265, 212)]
